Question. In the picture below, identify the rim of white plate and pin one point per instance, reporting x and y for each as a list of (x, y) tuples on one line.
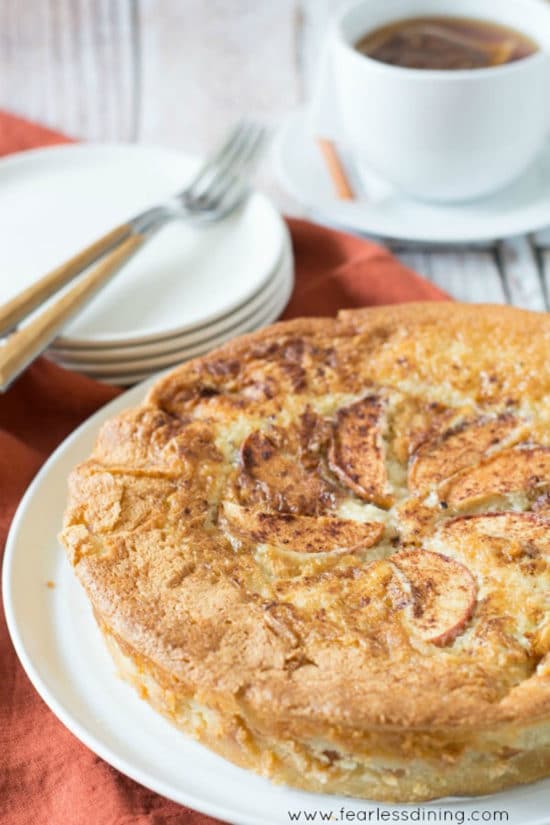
[(73, 150)]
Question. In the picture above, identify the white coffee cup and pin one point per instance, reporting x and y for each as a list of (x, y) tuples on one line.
[(444, 135)]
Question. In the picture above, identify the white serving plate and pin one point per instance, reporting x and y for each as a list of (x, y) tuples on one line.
[(55, 201), (61, 649)]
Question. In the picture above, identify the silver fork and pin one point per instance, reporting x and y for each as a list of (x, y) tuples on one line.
[(220, 186)]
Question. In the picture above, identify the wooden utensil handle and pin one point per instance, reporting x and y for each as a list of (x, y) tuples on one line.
[(27, 343), (22, 304)]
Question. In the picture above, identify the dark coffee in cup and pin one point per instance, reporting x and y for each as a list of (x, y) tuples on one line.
[(447, 43)]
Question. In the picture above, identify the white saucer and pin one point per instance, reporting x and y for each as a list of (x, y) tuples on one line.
[(55, 201), (382, 211), (61, 649)]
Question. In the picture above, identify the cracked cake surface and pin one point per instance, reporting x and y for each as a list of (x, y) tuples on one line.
[(324, 549)]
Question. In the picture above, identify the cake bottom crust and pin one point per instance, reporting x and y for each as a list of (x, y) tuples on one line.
[(511, 757)]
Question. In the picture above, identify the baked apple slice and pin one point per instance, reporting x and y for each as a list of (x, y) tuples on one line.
[(300, 534), (458, 447), (528, 533), (526, 469), (356, 453), (442, 595), (276, 478)]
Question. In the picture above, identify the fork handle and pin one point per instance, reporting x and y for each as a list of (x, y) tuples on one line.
[(27, 343), (30, 298)]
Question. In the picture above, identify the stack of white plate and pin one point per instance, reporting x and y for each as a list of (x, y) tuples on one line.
[(186, 292)]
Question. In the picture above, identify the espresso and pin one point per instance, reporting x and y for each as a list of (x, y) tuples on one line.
[(446, 43)]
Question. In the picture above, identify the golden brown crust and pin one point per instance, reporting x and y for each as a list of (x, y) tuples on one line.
[(336, 530)]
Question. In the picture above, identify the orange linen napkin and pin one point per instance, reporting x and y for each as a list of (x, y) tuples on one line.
[(46, 775)]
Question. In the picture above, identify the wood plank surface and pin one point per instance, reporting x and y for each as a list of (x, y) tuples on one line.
[(176, 73), (465, 275), (205, 64), (519, 264), (544, 256), (71, 64)]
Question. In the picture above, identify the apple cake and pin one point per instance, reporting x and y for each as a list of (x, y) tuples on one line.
[(323, 550)]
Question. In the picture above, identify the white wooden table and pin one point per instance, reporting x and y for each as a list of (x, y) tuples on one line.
[(177, 72)]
